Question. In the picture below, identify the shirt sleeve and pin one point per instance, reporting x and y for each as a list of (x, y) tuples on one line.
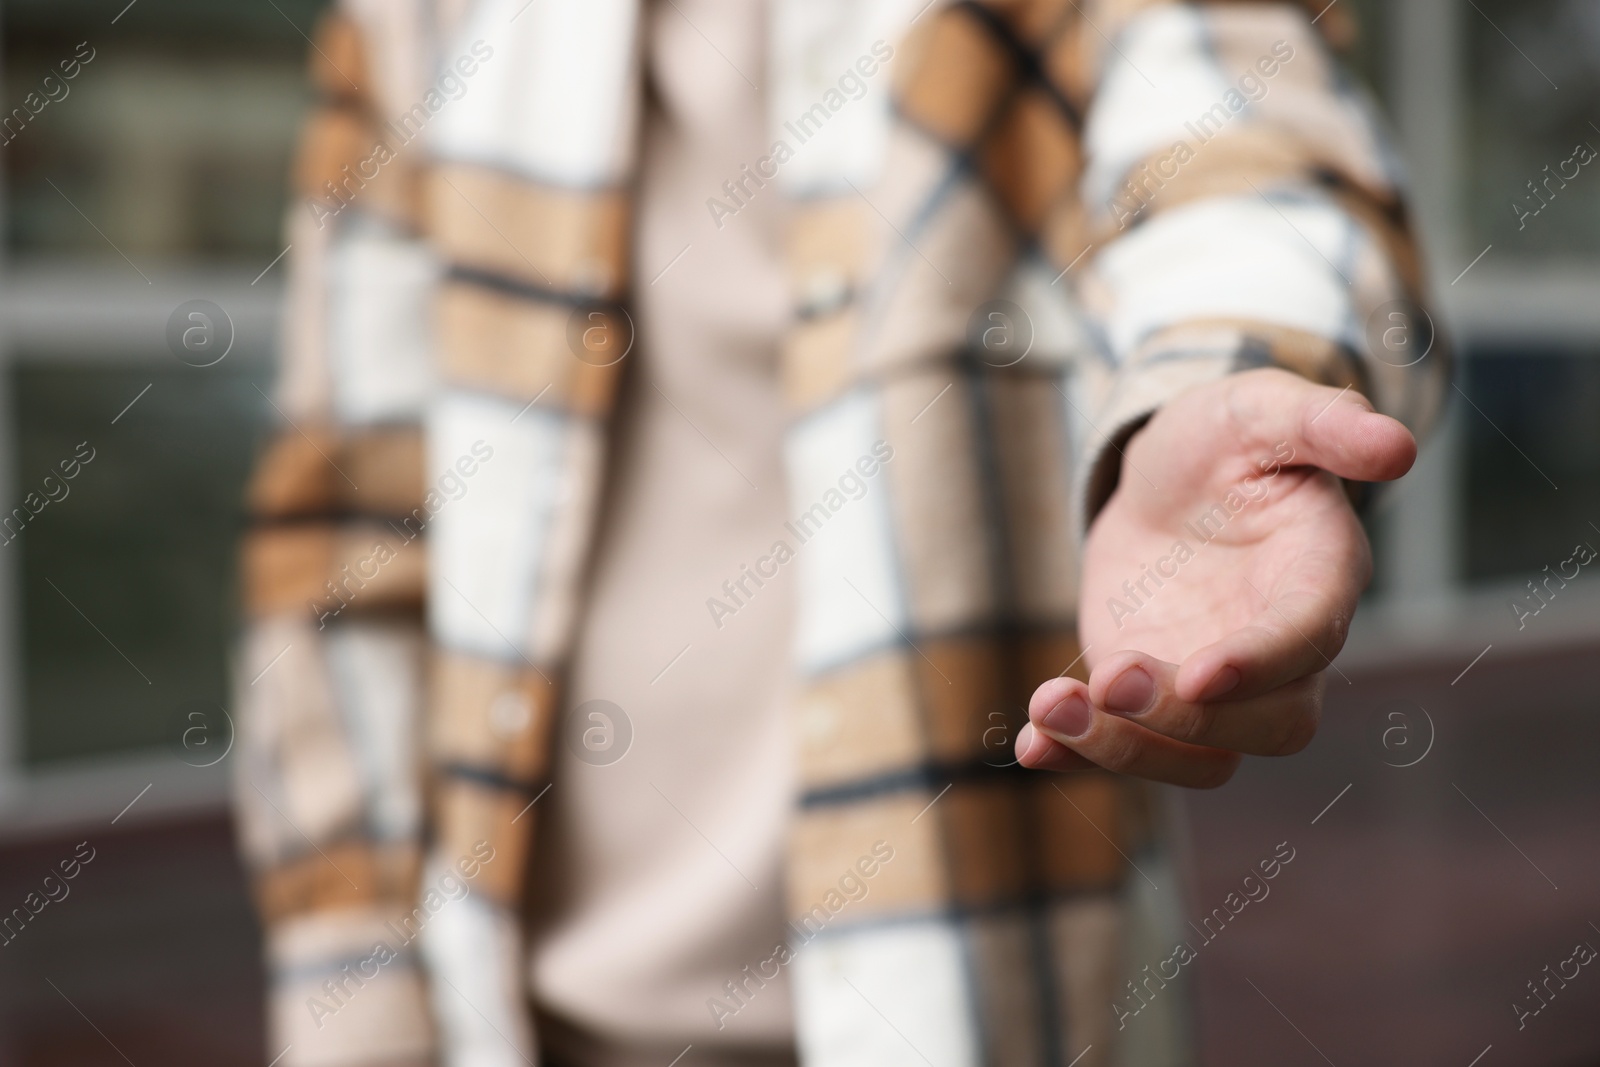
[(329, 675), (1243, 210)]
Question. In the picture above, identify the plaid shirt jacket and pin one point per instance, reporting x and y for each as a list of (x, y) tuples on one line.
[(1164, 193)]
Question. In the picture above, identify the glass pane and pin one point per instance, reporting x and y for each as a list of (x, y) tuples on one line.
[(127, 578), (1544, 405), (173, 137), (1518, 124)]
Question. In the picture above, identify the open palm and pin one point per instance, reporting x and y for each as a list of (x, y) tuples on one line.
[(1219, 581)]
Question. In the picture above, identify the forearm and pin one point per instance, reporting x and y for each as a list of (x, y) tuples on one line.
[(1246, 215)]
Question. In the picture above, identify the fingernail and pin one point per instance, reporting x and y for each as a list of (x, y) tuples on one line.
[(1131, 693), (1224, 682), (1070, 718), (1025, 738)]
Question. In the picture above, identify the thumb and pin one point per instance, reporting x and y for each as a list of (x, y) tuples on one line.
[(1334, 429)]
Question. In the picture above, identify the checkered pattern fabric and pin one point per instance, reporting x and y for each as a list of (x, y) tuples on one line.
[(1165, 193)]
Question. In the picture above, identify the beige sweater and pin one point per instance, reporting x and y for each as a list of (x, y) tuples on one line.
[(662, 869)]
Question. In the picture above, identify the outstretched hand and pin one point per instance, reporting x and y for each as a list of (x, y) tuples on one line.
[(1219, 582)]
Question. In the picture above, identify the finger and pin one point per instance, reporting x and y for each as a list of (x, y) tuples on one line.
[(1040, 753), (1061, 711), (1293, 636), (1346, 437), (1320, 426), (1143, 688)]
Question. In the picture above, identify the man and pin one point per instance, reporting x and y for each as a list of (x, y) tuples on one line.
[(1040, 288)]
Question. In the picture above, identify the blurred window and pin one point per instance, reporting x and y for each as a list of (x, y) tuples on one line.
[(1547, 401), (172, 141), (141, 542), (152, 176), (1518, 124)]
